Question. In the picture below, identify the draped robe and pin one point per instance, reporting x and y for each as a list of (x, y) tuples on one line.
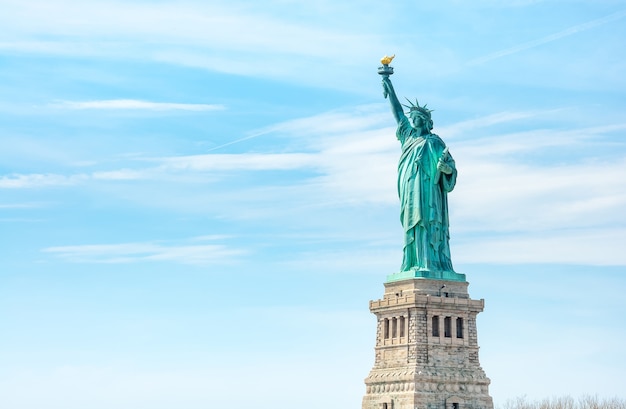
[(423, 199)]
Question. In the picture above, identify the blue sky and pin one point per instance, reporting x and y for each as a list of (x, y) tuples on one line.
[(197, 199)]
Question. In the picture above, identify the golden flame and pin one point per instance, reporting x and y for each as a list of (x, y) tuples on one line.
[(386, 60)]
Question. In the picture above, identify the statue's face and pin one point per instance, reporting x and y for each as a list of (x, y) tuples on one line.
[(419, 122)]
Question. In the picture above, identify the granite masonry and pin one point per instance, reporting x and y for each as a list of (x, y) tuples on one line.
[(426, 354)]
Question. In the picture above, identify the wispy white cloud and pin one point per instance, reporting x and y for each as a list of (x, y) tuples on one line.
[(16, 181), (21, 205), (592, 246), (171, 167), (553, 37), (218, 36), (121, 174), (219, 24), (146, 251), (135, 104), (464, 127), (340, 123), (37, 180), (540, 179), (244, 161)]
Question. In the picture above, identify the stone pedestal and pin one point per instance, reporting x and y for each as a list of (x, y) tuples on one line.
[(426, 348)]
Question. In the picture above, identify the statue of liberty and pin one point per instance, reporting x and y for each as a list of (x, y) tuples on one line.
[(426, 173)]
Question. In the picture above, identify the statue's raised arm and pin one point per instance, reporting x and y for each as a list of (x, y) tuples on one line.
[(389, 92)]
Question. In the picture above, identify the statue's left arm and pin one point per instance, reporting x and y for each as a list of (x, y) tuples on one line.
[(447, 170)]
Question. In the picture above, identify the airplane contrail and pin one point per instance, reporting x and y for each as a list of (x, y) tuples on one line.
[(550, 38)]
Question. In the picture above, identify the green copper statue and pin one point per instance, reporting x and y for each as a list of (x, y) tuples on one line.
[(426, 173)]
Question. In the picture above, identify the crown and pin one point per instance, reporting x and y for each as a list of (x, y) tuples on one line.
[(416, 107)]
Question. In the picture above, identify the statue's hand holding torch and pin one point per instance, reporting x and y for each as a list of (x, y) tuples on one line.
[(385, 70)]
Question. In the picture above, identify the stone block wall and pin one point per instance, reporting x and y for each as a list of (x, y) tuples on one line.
[(418, 367)]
